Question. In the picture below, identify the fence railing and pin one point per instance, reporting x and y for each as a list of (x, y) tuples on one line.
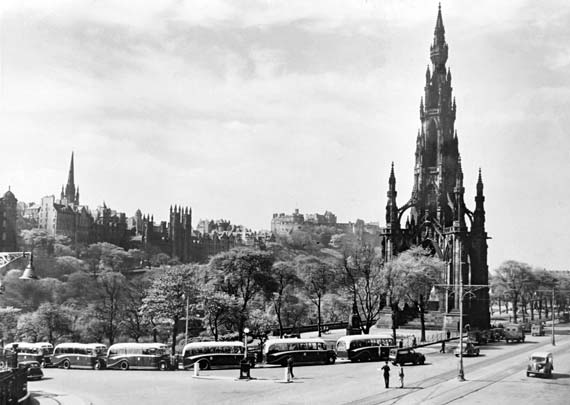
[(13, 385)]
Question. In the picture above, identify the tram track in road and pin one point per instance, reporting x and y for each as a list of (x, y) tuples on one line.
[(396, 396)]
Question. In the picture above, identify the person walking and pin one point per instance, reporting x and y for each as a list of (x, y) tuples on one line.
[(442, 350), (414, 342), (448, 333), (290, 366), (401, 375), (386, 370)]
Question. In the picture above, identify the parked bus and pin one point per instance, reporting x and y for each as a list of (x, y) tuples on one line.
[(213, 354), (40, 351), (69, 355), (363, 347), (303, 351), (138, 355)]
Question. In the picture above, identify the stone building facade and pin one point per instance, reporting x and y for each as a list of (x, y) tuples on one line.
[(66, 216), (438, 217), (8, 222)]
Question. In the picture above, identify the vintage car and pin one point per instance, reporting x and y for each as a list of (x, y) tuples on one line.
[(402, 356), (34, 371), (540, 363), (537, 329), (468, 349)]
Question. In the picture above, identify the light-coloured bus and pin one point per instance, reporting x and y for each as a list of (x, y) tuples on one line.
[(364, 347), (138, 355), (213, 354), (39, 351), (303, 351), (70, 354)]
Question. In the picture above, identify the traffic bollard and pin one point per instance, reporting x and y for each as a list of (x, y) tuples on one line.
[(196, 369)]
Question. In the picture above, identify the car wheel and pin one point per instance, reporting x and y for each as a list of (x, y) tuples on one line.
[(1, 364), (97, 365), (43, 364), (66, 364), (124, 365)]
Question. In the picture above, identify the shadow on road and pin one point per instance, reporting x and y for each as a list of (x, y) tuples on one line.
[(560, 376)]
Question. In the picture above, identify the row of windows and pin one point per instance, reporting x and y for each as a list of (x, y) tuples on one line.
[(136, 350), (284, 347), (74, 350), (214, 349)]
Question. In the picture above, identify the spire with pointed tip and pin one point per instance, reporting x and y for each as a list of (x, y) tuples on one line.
[(438, 50), (70, 186), (391, 207)]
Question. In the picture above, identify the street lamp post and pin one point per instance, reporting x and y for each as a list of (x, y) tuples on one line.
[(245, 332), (552, 310), (186, 330), (462, 294)]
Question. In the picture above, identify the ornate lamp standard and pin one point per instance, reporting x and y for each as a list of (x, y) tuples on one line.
[(462, 295), (245, 333)]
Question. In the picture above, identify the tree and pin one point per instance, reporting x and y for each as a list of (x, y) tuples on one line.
[(134, 323), (318, 277), (421, 271), (243, 273), (220, 308), (513, 278), (110, 302), (360, 261), (165, 298), (286, 282)]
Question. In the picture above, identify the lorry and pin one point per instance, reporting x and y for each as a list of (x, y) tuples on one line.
[(514, 332)]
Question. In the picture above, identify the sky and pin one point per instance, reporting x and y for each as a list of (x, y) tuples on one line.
[(242, 109)]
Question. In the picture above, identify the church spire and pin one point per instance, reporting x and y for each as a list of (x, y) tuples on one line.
[(438, 50), (70, 186)]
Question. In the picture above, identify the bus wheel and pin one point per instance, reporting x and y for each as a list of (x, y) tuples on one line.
[(1, 364), (204, 365), (66, 364), (163, 366), (330, 360), (124, 365), (97, 365)]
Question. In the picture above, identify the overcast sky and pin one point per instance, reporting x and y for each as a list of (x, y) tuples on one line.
[(240, 109)]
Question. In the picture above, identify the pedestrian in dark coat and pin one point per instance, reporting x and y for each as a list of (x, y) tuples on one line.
[(386, 370), (290, 366), (401, 375)]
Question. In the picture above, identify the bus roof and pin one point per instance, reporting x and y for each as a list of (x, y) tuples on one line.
[(212, 342), (27, 344), (77, 344), (352, 338), (294, 340), (135, 344)]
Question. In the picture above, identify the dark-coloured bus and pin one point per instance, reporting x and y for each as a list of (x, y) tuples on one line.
[(124, 356), (213, 354), (363, 347), (303, 351), (39, 351), (90, 355)]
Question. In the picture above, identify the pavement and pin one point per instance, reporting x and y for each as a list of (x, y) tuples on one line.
[(55, 398)]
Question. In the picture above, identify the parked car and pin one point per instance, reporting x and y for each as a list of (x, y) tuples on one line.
[(497, 334), (537, 329), (403, 356), (34, 370), (540, 363), (468, 349), (478, 336)]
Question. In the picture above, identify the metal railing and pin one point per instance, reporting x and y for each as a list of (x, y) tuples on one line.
[(13, 385)]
